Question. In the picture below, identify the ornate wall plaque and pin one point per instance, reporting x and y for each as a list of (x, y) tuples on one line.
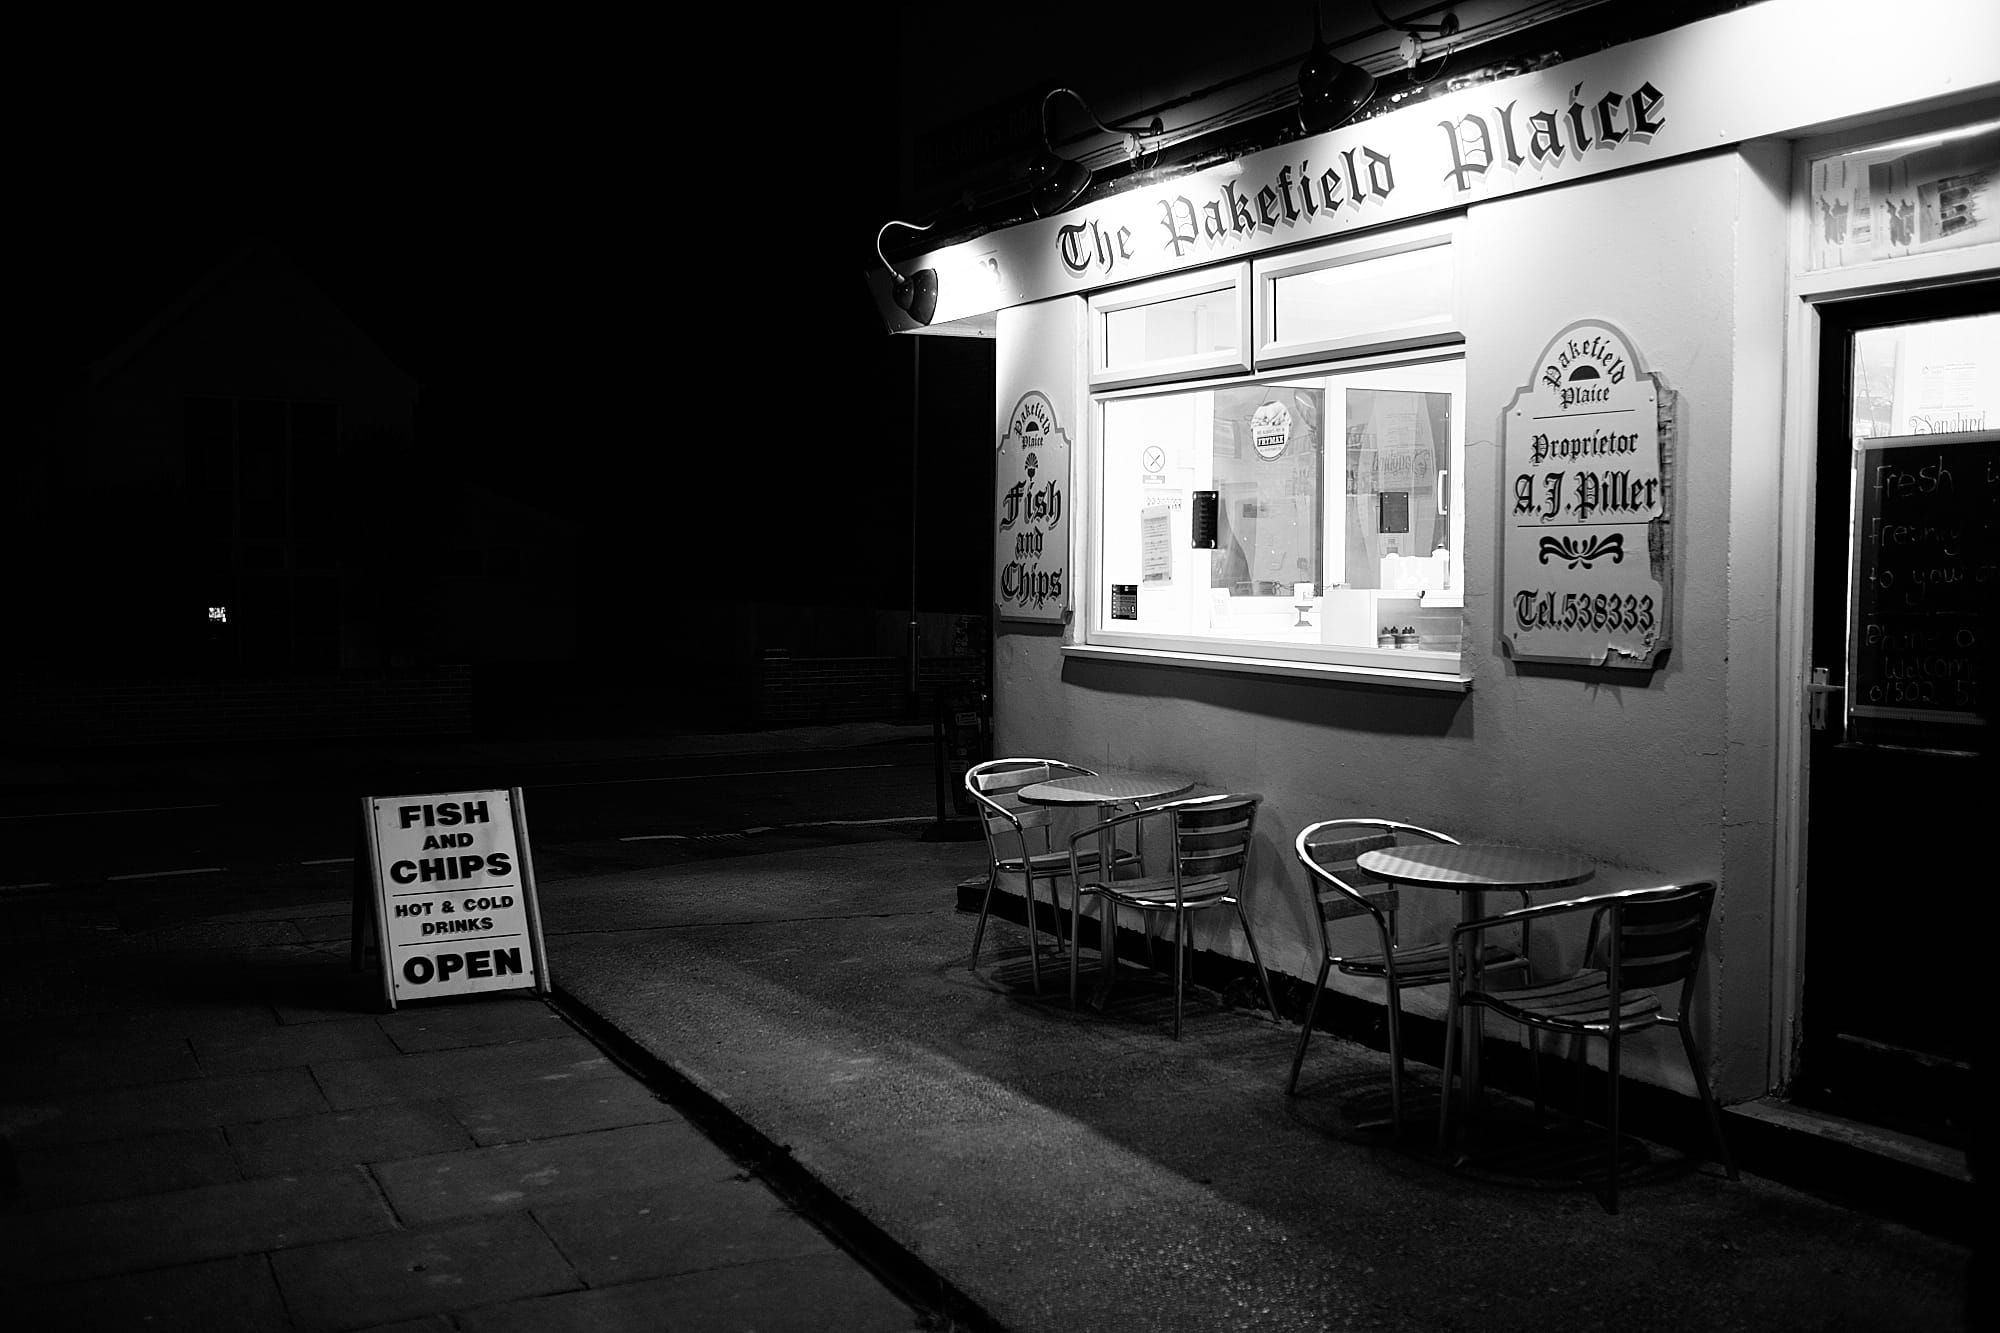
[(1031, 549), (1586, 565)]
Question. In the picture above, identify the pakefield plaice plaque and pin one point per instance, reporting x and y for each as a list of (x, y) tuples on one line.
[(1587, 496)]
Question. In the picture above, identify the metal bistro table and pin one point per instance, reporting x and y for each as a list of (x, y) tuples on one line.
[(1470, 869), (1108, 792)]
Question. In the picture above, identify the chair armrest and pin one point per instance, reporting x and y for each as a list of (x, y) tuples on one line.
[(1595, 903), (1107, 828)]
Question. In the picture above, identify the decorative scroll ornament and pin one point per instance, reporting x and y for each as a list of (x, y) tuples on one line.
[(1584, 553)]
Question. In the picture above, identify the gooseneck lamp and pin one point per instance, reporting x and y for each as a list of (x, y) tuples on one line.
[(917, 294), (1330, 89), (1055, 182)]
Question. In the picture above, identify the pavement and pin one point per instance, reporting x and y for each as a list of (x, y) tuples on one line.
[(768, 1093)]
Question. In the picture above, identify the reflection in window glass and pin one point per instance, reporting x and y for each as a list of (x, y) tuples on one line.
[(1927, 379)]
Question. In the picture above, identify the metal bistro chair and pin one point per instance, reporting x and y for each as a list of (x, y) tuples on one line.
[(1018, 841), (1342, 889), (1209, 838), (1639, 939)]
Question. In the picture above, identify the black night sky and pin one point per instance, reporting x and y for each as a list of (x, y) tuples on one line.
[(628, 280)]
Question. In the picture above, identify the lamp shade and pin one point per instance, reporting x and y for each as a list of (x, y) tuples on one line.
[(917, 295), (1054, 183), (1331, 90)]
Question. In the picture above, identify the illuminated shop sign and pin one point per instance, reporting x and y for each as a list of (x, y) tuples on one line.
[(1694, 89)]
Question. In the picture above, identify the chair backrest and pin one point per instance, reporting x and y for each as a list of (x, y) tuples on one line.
[(993, 785), (1330, 849), (1212, 834), (1658, 934)]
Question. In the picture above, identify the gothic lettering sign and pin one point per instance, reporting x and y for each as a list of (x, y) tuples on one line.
[(1587, 502), (1031, 550), (1690, 90)]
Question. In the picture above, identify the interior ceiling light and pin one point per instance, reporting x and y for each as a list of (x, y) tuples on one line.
[(1056, 182), (1330, 89), (917, 294)]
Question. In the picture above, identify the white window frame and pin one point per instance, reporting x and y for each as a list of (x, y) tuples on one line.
[(1434, 340), (1233, 278)]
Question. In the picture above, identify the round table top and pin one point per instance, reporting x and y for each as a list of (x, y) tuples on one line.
[(1477, 866), (1104, 789)]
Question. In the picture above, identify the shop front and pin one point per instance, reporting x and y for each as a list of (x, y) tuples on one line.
[(1491, 464)]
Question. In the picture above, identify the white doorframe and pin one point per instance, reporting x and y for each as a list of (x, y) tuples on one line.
[(1805, 292)]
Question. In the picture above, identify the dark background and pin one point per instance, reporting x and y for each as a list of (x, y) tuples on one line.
[(626, 270)]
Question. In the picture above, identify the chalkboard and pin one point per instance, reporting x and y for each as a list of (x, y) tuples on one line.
[(1921, 631)]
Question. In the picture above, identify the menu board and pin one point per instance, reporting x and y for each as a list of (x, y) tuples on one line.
[(1921, 632)]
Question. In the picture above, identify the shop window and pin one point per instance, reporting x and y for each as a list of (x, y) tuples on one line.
[(1312, 513)]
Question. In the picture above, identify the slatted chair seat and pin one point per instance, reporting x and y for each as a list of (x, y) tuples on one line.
[(1329, 850), (1208, 853), (1644, 939), (1019, 841), (1581, 1003), (1424, 964)]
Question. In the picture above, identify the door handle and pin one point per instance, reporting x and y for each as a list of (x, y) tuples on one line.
[(1820, 692)]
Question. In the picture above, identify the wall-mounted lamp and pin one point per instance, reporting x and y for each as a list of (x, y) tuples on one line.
[(1055, 182), (1330, 89), (917, 294)]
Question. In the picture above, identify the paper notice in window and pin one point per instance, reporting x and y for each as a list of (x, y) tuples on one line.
[(1156, 544)]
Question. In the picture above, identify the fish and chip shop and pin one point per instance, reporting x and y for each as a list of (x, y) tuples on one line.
[(1601, 459)]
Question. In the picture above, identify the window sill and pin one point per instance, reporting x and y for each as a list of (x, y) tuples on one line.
[(1434, 681)]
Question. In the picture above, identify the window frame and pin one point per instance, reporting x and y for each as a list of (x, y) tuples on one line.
[(1436, 340), (1233, 278)]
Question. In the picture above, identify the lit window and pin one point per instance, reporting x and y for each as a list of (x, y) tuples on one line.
[(1311, 514)]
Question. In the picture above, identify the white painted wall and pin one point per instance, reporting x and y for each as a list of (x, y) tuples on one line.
[(1661, 776)]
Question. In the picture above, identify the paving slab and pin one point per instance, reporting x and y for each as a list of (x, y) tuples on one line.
[(61, 1174), (194, 1103), (512, 1115), (274, 1046), (367, 1134), (210, 1222), (402, 1275), (233, 1295), (460, 1072), (479, 1020), (515, 1175)]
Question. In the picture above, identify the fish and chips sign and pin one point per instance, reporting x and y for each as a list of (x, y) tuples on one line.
[(1031, 549), (452, 895), (1586, 564)]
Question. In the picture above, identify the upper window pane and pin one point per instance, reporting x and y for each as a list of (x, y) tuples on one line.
[(1182, 326), (1381, 297)]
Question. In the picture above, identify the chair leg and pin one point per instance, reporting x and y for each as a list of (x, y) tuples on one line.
[(1611, 1120), (1396, 1059), (1306, 1029), (1270, 996), (1707, 1097), (1034, 934), (1535, 1072), (1180, 954), (985, 905), (1075, 910), (1451, 1011)]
